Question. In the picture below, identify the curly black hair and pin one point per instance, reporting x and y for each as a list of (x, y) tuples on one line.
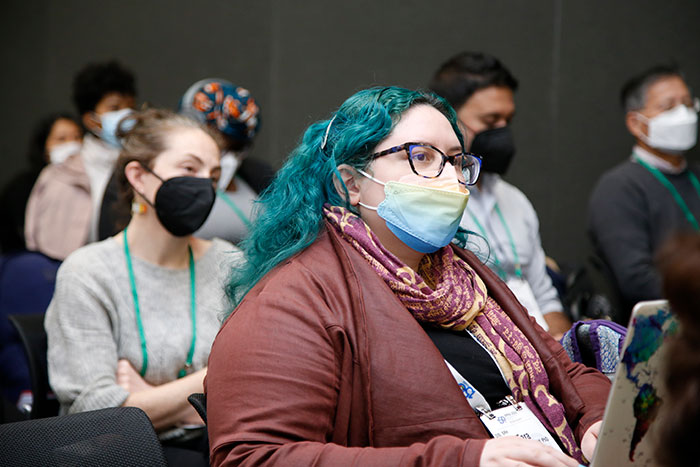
[(96, 80)]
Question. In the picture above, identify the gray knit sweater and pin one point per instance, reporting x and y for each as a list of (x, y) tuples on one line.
[(91, 322), (630, 215)]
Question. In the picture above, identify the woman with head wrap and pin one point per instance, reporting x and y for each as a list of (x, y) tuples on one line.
[(233, 113), (362, 335)]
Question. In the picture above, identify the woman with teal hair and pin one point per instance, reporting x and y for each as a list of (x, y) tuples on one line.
[(363, 336)]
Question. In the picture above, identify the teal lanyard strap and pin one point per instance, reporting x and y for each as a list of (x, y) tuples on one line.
[(496, 262), (518, 269), (672, 189), (137, 310), (227, 199), (193, 314)]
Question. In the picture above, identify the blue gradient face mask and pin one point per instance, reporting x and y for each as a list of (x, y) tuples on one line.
[(110, 124), (425, 214)]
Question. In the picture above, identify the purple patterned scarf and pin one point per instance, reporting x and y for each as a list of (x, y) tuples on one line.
[(448, 293)]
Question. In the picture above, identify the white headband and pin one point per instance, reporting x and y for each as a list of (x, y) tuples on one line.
[(325, 137)]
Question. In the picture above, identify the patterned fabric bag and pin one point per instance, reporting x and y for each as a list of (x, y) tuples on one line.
[(595, 343)]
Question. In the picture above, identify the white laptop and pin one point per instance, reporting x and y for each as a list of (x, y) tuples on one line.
[(632, 412)]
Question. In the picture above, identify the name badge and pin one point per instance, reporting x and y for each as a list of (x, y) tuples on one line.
[(517, 420)]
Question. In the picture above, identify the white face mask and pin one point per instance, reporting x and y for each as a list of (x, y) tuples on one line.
[(62, 151), (230, 161), (674, 130)]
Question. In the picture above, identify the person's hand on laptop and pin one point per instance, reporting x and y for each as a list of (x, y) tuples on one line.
[(512, 451), (590, 439)]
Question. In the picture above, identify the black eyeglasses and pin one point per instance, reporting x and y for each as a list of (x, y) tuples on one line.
[(427, 161)]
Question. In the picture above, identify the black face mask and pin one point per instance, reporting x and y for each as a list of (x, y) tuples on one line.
[(182, 204), (496, 147)]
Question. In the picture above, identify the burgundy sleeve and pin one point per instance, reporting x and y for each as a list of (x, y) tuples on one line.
[(273, 385)]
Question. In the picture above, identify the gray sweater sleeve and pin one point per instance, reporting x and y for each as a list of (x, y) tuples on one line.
[(82, 355), (619, 225)]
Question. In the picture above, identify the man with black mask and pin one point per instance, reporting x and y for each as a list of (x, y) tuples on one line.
[(481, 90)]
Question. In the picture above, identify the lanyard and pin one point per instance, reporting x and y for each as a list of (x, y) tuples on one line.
[(475, 399), (137, 310), (676, 196), (227, 199), (518, 269)]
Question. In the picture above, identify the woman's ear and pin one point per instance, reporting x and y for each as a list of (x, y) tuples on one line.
[(350, 177), (134, 173)]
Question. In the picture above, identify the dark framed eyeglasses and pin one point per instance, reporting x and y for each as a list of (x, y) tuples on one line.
[(427, 161)]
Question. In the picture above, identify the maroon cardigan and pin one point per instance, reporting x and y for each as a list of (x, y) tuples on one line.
[(321, 364)]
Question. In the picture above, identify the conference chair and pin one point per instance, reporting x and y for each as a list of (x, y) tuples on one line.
[(30, 328), (114, 437), (199, 402), (26, 286)]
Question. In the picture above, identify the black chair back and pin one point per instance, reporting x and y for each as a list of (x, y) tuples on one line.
[(114, 437), (622, 309), (31, 331), (199, 402)]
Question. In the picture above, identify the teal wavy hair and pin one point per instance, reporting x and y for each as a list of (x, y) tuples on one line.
[(289, 213)]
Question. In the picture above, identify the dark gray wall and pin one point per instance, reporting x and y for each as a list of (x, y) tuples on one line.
[(302, 59)]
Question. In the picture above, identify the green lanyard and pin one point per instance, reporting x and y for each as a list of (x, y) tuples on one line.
[(227, 199), (676, 196), (137, 309), (518, 269)]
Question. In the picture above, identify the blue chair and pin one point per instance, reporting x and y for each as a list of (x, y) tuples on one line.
[(27, 282)]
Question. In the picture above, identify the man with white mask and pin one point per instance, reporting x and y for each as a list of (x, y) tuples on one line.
[(655, 192), (64, 208)]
